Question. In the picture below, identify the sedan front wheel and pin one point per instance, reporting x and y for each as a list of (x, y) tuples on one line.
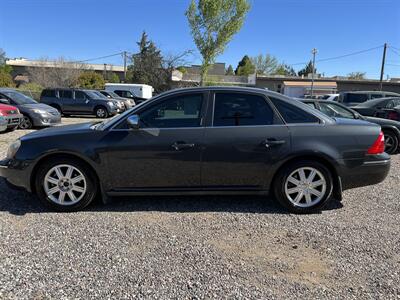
[(65, 184)]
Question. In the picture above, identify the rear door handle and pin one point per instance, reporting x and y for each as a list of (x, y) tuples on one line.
[(181, 145), (273, 142)]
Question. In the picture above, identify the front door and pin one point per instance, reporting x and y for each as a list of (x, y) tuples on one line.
[(164, 153), (243, 139)]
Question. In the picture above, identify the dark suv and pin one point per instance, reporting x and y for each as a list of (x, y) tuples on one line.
[(79, 102), (357, 97)]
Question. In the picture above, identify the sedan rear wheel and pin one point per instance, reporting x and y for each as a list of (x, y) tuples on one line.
[(26, 123), (391, 142), (304, 186), (65, 184)]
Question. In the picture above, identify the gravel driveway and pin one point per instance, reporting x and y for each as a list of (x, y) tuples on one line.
[(201, 247)]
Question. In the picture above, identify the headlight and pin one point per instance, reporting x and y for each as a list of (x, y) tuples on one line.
[(110, 104), (13, 148), (39, 111)]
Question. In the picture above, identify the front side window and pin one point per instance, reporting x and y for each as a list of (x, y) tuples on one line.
[(179, 111), (376, 96), (236, 109), (79, 95), (293, 114), (335, 111), (126, 94)]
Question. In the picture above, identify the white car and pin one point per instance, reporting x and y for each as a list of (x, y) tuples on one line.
[(330, 97)]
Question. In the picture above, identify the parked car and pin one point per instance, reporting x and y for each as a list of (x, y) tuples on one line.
[(34, 114), (357, 97), (377, 107), (10, 114), (210, 140), (129, 103), (3, 124), (120, 103), (79, 102), (142, 91), (330, 97), (391, 129)]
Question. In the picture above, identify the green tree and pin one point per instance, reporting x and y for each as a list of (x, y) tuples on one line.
[(285, 70), (90, 80), (230, 71), (356, 75), (265, 65), (308, 69), (245, 67), (113, 78), (213, 23)]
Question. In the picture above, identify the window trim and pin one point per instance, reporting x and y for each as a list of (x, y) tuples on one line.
[(203, 111), (266, 99)]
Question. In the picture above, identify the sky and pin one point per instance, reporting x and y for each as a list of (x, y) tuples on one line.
[(287, 29)]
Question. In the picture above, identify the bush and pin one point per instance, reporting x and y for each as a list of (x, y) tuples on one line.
[(6, 80), (90, 80)]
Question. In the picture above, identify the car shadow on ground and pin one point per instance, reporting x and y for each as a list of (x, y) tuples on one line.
[(20, 203)]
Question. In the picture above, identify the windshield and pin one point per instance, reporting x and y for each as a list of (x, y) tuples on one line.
[(100, 94), (114, 95), (19, 98), (93, 94)]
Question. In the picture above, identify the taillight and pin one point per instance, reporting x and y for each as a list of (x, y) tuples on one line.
[(393, 115), (378, 146)]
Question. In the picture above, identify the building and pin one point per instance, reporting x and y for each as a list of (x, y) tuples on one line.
[(21, 67)]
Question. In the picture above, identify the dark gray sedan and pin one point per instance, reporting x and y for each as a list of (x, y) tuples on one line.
[(214, 140), (34, 114)]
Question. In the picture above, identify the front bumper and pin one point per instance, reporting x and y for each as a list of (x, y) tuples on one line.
[(13, 120), (3, 124), (16, 173), (372, 171), (43, 120)]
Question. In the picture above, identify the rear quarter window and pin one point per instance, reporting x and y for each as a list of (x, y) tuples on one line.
[(49, 93), (293, 114)]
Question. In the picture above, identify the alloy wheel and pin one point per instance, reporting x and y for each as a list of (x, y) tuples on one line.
[(390, 144), (305, 187), (26, 123), (65, 185), (101, 113)]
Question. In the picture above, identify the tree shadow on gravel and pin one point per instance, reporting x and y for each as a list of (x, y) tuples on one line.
[(21, 203)]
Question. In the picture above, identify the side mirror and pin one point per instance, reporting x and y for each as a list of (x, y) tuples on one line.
[(4, 101), (133, 121)]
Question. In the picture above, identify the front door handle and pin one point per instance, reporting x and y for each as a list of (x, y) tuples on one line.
[(273, 142), (181, 145)]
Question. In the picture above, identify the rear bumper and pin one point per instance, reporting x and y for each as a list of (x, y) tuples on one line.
[(370, 172), (16, 173)]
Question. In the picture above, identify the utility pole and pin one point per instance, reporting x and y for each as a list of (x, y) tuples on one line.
[(383, 66), (124, 66), (105, 72), (313, 51)]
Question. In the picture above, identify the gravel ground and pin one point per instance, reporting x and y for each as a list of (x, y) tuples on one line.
[(201, 247)]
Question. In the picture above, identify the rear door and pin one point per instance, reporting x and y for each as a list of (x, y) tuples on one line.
[(66, 100), (243, 139)]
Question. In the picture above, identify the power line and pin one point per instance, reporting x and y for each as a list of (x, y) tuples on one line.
[(97, 58), (394, 51), (340, 56)]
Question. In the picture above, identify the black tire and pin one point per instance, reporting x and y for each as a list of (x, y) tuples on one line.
[(57, 107), (9, 129), (101, 112), (391, 142), (90, 178), (280, 183), (26, 123)]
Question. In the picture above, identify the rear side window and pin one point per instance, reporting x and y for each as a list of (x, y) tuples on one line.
[(126, 94), (293, 114), (375, 96), (49, 93), (355, 98), (235, 109), (66, 94)]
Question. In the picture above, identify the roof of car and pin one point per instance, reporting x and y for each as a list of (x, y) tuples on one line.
[(369, 92), (372, 102)]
